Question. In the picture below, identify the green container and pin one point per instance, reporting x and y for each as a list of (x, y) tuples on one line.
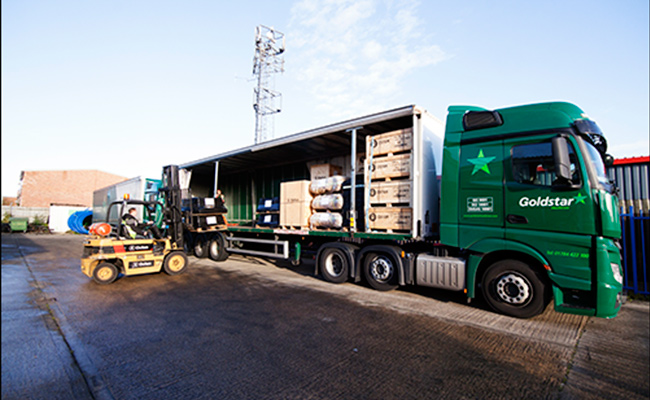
[(18, 224)]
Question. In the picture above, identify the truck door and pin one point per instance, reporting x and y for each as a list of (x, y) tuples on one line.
[(481, 192), (553, 216)]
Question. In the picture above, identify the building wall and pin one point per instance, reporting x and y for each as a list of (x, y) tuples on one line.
[(74, 187)]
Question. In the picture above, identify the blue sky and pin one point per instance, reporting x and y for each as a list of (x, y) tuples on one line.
[(129, 86)]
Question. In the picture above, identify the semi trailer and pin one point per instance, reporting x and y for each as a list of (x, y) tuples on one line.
[(511, 203)]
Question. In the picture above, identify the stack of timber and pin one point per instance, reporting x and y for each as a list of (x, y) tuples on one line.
[(389, 181)]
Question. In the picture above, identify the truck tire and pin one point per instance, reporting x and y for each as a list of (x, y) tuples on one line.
[(175, 263), (513, 288), (334, 265), (105, 273), (217, 249), (381, 271), (200, 248)]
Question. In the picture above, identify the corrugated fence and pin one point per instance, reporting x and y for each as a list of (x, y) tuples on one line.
[(631, 176)]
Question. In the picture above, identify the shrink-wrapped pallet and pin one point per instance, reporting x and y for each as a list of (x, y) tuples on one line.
[(326, 220), (327, 185), (331, 202)]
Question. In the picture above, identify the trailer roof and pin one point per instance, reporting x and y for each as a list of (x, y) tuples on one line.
[(327, 141)]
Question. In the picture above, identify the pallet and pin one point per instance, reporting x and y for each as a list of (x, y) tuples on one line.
[(392, 231), (293, 227), (344, 229)]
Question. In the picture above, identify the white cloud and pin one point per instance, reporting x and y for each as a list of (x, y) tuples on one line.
[(353, 56)]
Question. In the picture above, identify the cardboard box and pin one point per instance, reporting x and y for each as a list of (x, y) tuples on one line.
[(295, 214), (295, 201), (391, 166), (295, 192), (391, 142), (320, 171), (390, 192), (390, 218)]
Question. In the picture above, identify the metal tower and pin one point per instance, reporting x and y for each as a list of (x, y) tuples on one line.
[(269, 47)]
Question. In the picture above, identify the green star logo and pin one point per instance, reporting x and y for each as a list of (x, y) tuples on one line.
[(481, 163), (580, 198)]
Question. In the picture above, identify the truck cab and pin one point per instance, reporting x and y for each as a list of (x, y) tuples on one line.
[(525, 195)]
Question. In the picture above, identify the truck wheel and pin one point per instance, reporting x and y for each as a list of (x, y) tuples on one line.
[(200, 248), (105, 273), (380, 271), (217, 249), (175, 263), (334, 265), (513, 288)]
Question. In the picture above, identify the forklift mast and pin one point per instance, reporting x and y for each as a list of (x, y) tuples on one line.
[(172, 196)]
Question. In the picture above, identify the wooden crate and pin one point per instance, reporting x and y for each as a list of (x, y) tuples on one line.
[(391, 166), (295, 192), (295, 201), (390, 218), (295, 214), (320, 171), (391, 142), (390, 192)]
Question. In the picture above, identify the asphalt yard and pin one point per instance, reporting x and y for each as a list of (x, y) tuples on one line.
[(252, 329)]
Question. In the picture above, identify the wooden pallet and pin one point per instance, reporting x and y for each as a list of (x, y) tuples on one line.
[(293, 227)]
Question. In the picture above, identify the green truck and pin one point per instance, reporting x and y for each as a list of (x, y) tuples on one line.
[(512, 204)]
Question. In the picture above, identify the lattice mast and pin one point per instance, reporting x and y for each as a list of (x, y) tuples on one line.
[(269, 60)]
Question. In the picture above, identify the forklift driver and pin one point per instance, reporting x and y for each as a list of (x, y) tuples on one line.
[(134, 227)]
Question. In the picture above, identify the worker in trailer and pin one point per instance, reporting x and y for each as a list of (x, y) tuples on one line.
[(221, 200), (134, 227)]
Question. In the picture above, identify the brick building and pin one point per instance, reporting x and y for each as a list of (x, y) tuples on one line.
[(74, 187)]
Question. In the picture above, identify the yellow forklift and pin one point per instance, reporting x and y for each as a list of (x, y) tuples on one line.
[(111, 250)]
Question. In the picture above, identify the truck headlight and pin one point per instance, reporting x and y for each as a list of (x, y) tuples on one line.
[(616, 271)]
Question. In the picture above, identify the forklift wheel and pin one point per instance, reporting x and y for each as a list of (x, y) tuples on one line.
[(105, 273), (175, 263)]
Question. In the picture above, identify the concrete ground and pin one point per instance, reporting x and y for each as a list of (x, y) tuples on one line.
[(247, 328)]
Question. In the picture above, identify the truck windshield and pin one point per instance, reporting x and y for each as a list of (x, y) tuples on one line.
[(598, 167)]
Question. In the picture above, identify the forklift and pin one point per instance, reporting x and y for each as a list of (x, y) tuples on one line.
[(112, 250)]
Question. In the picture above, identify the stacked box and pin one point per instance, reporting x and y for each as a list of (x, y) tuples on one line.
[(320, 171), (295, 201), (391, 166), (207, 221), (389, 175), (390, 192), (390, 218), (269, 204), (392, 142), (270, 220)]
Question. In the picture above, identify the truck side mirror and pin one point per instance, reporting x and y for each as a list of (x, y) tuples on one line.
[(608, 159), (561, 158)]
